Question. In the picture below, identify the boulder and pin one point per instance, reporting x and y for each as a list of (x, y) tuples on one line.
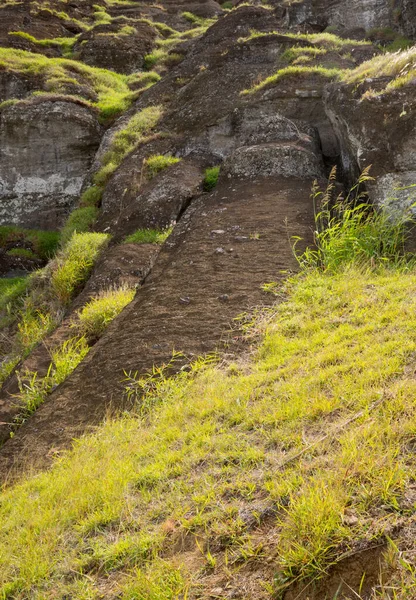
[(46, 149), (120, 49)]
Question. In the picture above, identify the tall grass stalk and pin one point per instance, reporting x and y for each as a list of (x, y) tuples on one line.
[(351, 231)]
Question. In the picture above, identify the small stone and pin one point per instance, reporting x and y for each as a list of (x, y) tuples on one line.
[(217, 231), (224, 297), (185, 299), (350, 519), (219, 251)]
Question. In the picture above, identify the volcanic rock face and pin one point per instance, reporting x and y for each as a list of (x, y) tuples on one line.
[(352, 15), (114, 47), (377, 131), (45, 151)]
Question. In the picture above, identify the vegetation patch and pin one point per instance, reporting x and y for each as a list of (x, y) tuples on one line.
[(81, 219), (11, 289), (211, 178), (298, 54), (142, 80), (350, 230), (42, 244), (74, 262), (92, 320), (108, 91), (400, 66), (291, 428), (65, 44), (33, 390), (159, 162), (283, 434), (148, 236), (328, 41), (126, 140), (198, 21), (295, 72)]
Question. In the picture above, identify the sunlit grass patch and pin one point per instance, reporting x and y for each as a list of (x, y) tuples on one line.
[(294, 425), (400, 66), (294, 72), (159, 162), (127, 139), (92, 320), (65, 44), (325, 40), (80, 220), (54, 75), (33, 390), (74, 262)]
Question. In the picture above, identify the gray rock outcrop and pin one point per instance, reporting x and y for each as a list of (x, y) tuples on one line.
[(46, 149)]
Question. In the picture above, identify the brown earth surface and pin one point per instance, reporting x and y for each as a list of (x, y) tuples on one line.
[(209, 271)]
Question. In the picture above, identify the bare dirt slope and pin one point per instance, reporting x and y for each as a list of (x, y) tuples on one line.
[(211, 269)]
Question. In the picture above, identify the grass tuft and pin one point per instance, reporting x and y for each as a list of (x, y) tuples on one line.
[(109, 90), (74, 262), (211, 178), (400, 66), (92, 320), (42, 243), (34, 390), (80, 220), (350, 231), (148, 236), (126, 140), (295, 72), (158, 162)]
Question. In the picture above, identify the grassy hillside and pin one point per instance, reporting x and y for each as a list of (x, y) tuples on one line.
[(251, 475)]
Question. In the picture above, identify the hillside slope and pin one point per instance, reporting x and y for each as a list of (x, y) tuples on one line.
[(207, 299), (289, 469)]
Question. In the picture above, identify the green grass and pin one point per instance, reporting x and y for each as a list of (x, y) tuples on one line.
[(33, 390), (81, 219), (42, 243), (211, 178), (126, 140), (157, 57), (73, 264), (61, 76), (289, 427), (65, 44), (92, 320), (143, 80), (294, 72), (351, 230), (22, 253), (148, 236), (400, 66), (91, 196), (11, 289), (328, 41), (34, 305), (220, 439), (198, 21), (159, 162), (300, 52)]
